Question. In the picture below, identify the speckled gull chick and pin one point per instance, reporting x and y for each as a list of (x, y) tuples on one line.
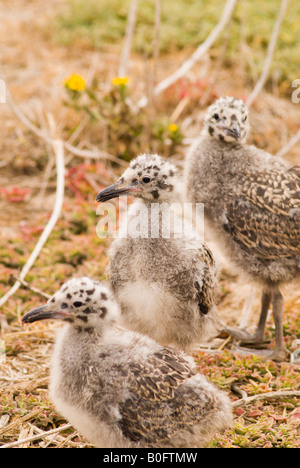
[(121, 389), (252, 201), (165, 284)]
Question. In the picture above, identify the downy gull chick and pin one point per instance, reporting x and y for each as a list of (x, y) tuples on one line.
[(121, 389), (252, 202), (164, 283)]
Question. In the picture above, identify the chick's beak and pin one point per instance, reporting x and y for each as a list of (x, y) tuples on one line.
[(116, 190), (42, 313), (234, 130)]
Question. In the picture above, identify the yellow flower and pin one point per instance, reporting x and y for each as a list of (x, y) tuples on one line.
[(173, 128), (120, 80), (75, 83)]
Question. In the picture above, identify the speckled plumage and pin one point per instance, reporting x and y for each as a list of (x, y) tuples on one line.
[(121, 389), (252, 201), (165, 285)]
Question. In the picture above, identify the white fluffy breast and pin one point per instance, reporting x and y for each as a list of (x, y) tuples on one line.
[(144, 303)]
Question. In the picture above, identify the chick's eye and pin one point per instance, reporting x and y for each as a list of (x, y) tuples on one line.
[(77, 304), (146, 180), (216, 116)]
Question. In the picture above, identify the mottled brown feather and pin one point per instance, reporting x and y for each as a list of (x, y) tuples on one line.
[(152, 387), (264, 220), (205, 294)]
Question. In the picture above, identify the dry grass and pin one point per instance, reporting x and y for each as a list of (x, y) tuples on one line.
[(34, 77)]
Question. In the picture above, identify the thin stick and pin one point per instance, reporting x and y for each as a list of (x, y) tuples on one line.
[(25, 119), (269, 57), (243, 40), (66, 440), (156, 39), (224, 343), (93, 154), (247, 308), (37, 436), (179, 108), (28, 286), (289, 145), (60, 168), (240, 391), (19, 421), (199, 52), (215, 73), (131, 20), (41, 134), (46, 179), (266, 396)]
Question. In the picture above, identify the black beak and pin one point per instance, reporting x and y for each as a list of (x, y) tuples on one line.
[(42, 313), (234, 131), (113, 191)]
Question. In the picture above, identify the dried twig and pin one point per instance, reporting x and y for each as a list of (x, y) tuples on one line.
[(289, 145), (199, 52), (269, 57), (247, 308), (266, 396), (47, 138), (93, 154), (32, 414), (33, 289), (37, 436), (66, 440), (60, 168), (180, 108), (225, 342), (243, 40), (240, 391), (45, 180), (156, 38), (219, 63), (131, 20)]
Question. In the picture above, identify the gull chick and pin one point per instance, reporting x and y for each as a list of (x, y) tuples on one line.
[(121, 389), (252, 201), (164, 282)]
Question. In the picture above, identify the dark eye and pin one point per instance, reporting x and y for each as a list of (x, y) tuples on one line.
[(64, 305), (216, 116), (146, 180), (77, 304)]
